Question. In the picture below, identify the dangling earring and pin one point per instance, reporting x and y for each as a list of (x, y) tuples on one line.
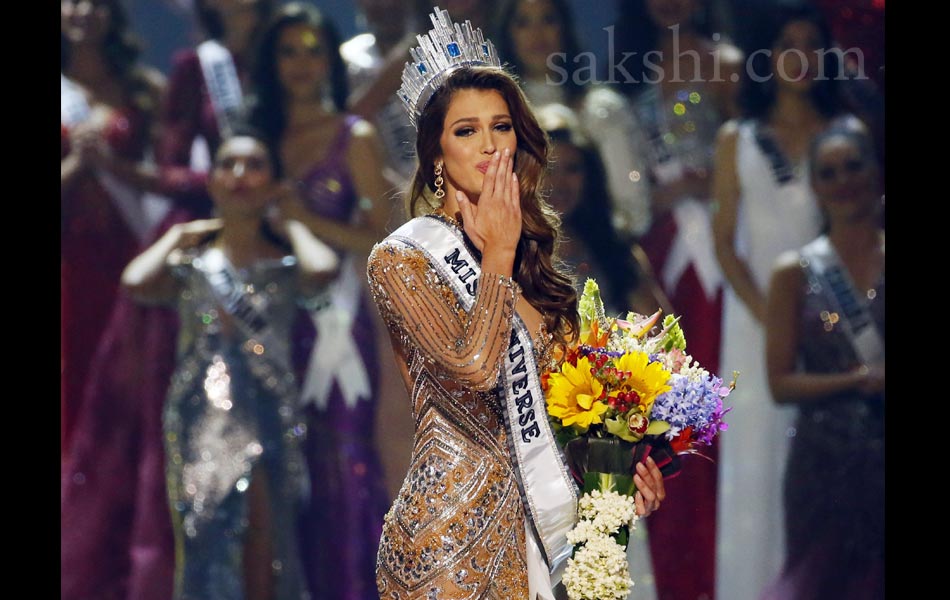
[(439, 192)]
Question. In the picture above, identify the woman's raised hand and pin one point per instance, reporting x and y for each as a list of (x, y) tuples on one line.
[(494, 224)]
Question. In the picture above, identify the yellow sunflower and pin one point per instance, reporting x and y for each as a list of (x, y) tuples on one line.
[(573, 396), (648, 380)]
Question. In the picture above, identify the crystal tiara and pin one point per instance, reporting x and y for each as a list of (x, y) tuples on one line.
[(446, 48)]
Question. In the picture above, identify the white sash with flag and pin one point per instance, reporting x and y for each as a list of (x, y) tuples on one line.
[(231, 292), (223, 84), (224, 90), (854, 314)]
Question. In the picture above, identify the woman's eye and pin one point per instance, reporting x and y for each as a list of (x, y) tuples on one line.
[(464, 132), (503, 127)]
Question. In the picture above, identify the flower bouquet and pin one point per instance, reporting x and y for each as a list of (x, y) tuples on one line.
[(621, 393)]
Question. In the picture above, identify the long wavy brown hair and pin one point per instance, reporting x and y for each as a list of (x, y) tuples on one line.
[(536, 267)]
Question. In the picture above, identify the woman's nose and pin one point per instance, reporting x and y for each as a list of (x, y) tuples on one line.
[(488, 144)]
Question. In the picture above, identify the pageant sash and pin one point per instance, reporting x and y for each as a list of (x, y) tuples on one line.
[(854, 313), (231, 292), (140, 210), (694, 245), (222, 82), (336, 356), (548, 493)]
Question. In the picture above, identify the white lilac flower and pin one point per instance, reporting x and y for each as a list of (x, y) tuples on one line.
[(598, 571), (608, 511)]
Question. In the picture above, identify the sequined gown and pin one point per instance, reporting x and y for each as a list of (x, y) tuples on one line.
[(834, 477), (456, 529), (340, 529), (230, 423)]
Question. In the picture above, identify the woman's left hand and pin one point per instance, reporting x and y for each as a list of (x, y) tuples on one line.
[(650, 489)]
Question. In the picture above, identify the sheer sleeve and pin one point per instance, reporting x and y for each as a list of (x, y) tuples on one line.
[(423, 314), (180, 125)]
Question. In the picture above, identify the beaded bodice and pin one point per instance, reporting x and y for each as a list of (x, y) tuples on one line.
[(456, 529)]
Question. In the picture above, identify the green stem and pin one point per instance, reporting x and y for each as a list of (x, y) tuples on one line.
[(605, 482)]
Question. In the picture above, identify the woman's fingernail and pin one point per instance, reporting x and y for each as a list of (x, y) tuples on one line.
[(507, 152)]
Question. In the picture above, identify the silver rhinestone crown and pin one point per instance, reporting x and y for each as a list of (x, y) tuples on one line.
[(445, 49)]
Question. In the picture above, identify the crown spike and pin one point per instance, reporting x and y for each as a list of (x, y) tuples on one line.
[(447, 47)]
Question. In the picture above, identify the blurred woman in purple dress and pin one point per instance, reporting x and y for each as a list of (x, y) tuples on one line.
[(825, 353), (335, 161)]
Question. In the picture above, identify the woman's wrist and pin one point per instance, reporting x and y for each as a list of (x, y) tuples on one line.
[(498, 261)]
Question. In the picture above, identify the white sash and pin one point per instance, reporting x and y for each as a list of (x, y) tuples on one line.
[(230, 291), (223, 84), (693, 245), (854, 314), (336, 356), (140, 210), (548, 492), (224, 91)]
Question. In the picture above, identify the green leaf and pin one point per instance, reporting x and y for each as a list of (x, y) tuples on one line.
[(565, 435), (657, 427)]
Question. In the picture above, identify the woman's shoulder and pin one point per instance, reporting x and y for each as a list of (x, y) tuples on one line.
[(727, 137), (360, 133), (396, 266), (390, 250), (787, 274), (399, 246)]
